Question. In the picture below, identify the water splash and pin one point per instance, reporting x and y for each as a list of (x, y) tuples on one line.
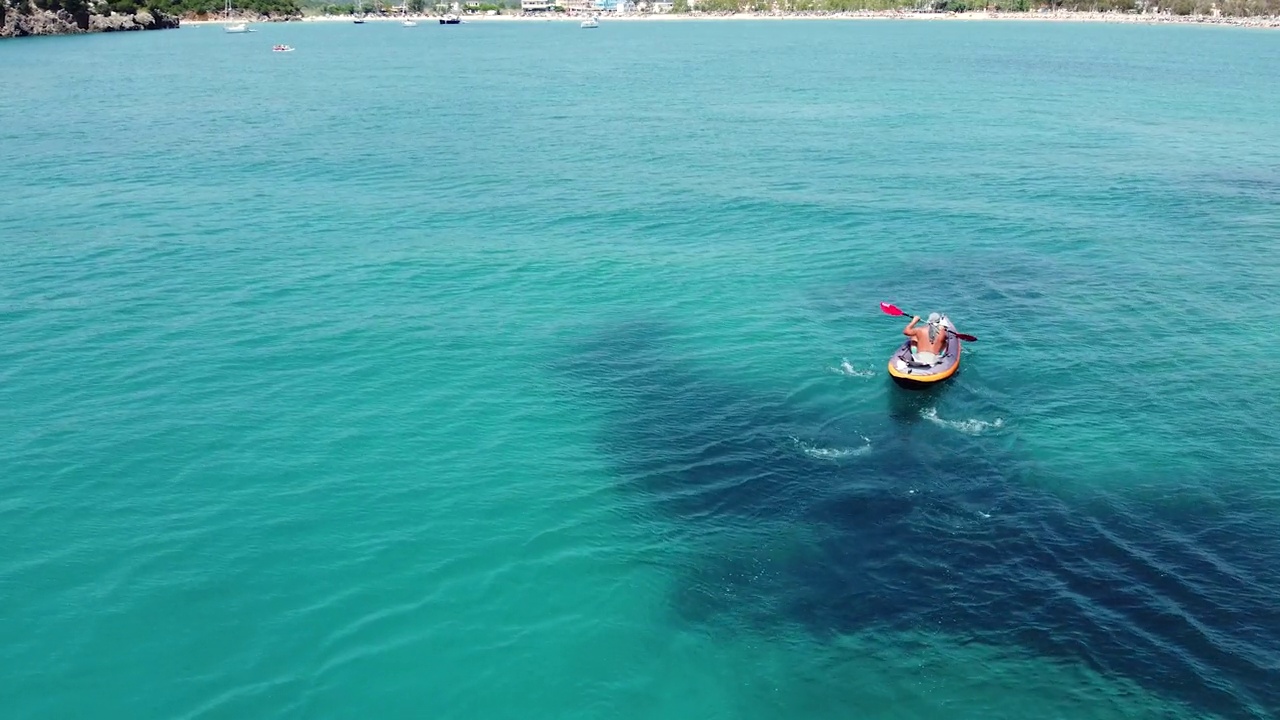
[(972, 426), (832, 453), (849, 370)]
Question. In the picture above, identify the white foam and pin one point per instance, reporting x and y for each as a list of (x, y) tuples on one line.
[(826, 453), (968, 427), (850, 371)]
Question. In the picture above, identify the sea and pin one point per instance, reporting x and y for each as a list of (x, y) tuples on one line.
[(505, 371)]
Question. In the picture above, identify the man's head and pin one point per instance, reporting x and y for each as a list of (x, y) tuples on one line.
[(935, 326)]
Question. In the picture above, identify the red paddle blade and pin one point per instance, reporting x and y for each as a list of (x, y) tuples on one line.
[(891, 310)]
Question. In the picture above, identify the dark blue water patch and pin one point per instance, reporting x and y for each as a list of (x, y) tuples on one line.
[(937, 531), (1172, 603)]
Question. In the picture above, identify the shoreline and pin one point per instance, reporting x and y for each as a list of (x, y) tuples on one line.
[(1069, 16)]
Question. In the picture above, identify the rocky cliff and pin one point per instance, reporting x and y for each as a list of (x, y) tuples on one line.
[(19, 18)]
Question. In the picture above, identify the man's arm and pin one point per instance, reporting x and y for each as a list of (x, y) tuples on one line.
[(910, 329)]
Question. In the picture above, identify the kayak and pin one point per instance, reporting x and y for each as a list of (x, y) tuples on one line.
[(909, 373)]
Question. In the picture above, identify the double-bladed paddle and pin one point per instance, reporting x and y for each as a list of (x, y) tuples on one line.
[(894, 311)]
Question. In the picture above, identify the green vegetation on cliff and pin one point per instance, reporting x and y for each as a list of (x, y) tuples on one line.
[(82, 9), (274, 8), (21, 18)]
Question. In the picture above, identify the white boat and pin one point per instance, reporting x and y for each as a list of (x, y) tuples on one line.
[(409, 23), (239, 27), (282, 48), (590, 23)]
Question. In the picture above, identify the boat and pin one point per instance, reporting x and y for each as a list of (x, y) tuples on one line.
[(282, 48), (908, 373), (590, 23), (450, 19), (409, 23), (359, 13), (239, 27)]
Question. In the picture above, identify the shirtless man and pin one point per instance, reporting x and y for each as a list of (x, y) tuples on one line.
[(929, 340)]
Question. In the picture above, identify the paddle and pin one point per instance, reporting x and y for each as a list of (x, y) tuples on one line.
[(894, 311)]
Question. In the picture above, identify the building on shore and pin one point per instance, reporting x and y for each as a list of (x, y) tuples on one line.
[(582, 7), (601, 6)]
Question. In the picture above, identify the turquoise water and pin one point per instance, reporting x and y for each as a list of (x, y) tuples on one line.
[(509, 371)]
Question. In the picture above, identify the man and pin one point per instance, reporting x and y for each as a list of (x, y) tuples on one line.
[(928, 340)]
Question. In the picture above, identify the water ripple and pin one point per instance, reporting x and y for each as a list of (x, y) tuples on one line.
[(519, 371)]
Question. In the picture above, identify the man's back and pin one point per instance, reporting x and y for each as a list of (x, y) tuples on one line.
[(930, 345), (930, 338)]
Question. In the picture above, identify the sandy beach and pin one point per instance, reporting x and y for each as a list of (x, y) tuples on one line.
[(1058, 16)]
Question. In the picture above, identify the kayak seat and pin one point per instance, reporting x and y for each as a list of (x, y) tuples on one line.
[(942, 357)]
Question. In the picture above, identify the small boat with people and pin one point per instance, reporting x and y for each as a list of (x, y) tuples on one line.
[(409, 23), (451, 19), (590, 23), (913, 368), (282, 48)]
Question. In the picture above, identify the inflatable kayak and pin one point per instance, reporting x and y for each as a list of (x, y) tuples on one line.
[(909, 373)]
